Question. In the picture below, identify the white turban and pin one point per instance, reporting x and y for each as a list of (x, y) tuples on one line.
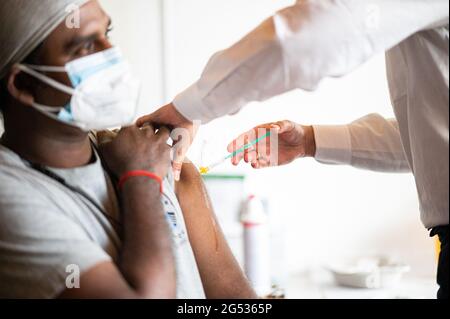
[(24, 24)]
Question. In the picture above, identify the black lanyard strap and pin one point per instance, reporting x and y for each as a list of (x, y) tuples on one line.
[(79, 191)]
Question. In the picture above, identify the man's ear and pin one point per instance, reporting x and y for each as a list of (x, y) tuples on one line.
[(23, 96)]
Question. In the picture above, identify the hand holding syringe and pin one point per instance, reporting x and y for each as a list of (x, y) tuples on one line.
[(206, 169)]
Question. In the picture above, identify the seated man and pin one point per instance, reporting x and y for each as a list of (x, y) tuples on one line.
[(61, 212)]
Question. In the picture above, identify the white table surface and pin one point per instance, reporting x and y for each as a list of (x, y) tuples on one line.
[(319, 284)]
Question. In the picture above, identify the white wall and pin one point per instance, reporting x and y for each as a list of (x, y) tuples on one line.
[(137, 30), (325, 212)]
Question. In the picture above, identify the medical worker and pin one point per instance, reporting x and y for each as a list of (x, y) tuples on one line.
[(312, 40)]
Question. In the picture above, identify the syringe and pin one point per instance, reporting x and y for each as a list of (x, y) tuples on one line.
[(206, 169)]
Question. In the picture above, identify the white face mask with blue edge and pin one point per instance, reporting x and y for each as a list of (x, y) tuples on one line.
[(104, 92)]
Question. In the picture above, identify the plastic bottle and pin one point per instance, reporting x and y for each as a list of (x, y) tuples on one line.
[(256, 245)]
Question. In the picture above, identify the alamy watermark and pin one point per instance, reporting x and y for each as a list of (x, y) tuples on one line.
[(73, 277), (73, 19), (372, 17)]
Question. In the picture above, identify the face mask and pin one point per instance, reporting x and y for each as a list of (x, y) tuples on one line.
[(104, 93)]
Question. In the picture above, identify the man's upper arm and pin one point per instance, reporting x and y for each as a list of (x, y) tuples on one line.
[(221, 275)]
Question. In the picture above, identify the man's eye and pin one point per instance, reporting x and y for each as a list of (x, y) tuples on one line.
[(89, 46), (86, 49)]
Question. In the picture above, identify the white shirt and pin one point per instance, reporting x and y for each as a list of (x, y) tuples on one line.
[(303, 44)]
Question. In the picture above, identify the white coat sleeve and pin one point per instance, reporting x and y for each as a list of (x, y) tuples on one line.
[(372, 143), (301, 45)]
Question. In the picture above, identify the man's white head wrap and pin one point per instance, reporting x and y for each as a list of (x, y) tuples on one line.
[(24, 24)]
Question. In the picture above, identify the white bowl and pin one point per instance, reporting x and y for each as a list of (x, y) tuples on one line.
[(371, 275)]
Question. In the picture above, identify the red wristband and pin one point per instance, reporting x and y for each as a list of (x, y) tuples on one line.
[(125, 177)]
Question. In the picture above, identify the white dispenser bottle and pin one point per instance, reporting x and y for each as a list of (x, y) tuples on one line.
[(256, 245)]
